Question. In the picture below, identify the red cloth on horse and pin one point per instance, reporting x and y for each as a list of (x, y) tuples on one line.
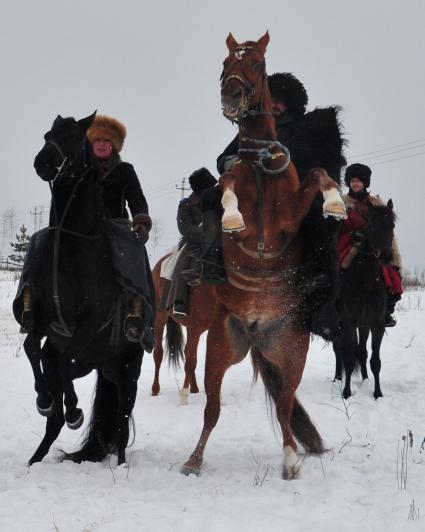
[(353, 222), (392, 279)]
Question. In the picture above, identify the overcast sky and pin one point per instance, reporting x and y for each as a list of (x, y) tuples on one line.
[(156, 65)]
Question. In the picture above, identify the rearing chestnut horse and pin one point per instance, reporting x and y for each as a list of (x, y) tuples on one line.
[(258, 308)]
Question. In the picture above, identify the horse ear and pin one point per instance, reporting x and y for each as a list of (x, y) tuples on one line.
[(231, 43), (85, 123), (264, 41), (390, 204)]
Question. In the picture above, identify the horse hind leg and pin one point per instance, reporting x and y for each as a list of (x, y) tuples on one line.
[(220, 356), (158, 352), (191, 355), (126, 375), (362, 350), (283, 399)]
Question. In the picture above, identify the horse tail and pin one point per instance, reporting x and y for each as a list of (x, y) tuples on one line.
[(305, 431), (100, 435), (175, 343), (301, 424)]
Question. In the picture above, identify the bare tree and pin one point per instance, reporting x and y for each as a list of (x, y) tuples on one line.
[(8, 224), (156, 233)]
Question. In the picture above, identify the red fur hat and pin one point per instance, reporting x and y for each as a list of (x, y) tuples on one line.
[(107, 128)]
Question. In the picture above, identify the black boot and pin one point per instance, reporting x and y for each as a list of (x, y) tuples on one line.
[(181, 297), (213, 271), (392, 299)]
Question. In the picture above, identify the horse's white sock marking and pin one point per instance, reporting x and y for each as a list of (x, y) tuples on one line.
[(232, 218), (333, 204)]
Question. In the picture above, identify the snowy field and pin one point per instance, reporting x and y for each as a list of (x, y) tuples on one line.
[(372, 479)]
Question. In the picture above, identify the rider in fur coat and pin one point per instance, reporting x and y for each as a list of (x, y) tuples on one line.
[(357, 179)]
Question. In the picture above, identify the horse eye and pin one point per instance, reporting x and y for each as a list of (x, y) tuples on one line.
[(257, 66)]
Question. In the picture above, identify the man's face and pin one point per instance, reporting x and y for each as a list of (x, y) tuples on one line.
[(356, 184), (102, 149), (278, 108)]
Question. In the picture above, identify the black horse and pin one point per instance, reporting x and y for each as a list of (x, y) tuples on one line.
[(362, 300), (78, 304)]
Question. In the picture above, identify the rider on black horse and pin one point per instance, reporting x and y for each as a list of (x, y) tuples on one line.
[(314, 140), (357, 201), (119, 185)]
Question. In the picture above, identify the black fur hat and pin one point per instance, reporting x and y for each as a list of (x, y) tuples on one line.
[(361, 171), (285, 87), (201, 179)]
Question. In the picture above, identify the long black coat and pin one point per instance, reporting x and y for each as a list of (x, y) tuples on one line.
[(120, 186)]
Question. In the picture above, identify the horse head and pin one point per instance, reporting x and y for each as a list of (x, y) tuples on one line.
[(244, 84), (65, 145), (380, 230)]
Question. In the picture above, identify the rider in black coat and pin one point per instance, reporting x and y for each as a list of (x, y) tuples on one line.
[(314, 140)]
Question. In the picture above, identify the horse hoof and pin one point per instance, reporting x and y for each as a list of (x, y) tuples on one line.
[(46, 411), (78, 420), (336, 210), (289, 472), (190, 470), (233, 223)]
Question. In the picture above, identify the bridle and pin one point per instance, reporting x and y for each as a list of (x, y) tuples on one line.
[(246, 111)]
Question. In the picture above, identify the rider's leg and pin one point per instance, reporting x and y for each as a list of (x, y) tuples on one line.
[(392, 299), (27, 318)]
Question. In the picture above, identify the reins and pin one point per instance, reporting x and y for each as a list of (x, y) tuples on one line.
[(58, 228)]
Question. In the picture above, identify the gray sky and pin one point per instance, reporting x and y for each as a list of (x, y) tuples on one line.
[(155, 66)]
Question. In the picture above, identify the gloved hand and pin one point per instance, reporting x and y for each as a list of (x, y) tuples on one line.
[(357, 236), (142, 224)]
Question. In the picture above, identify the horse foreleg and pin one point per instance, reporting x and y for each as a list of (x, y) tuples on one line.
[(338, 347), (218, 360), (232, 219), (32, 348), (191, 355), (56, 421), (158, 352), (375, 360)]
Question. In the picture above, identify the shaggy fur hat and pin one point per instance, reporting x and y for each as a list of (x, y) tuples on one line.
[(361, 171), (201, 179), (107, 128), (285, 87)]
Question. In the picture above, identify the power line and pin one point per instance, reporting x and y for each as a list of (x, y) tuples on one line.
[(393, 152), (389, 148), (398, 158)]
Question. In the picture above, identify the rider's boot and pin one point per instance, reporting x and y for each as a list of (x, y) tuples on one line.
[(181, 298), (134, 324), (392, 299), (27, 318), (213, 271)]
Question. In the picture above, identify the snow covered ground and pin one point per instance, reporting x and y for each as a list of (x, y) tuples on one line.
[(357, 485)]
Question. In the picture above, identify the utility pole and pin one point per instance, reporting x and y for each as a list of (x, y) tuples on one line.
[(183, 188), (35, 214)]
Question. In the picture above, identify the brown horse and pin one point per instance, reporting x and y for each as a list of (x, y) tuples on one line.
[(258, 308), (200, 312)]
